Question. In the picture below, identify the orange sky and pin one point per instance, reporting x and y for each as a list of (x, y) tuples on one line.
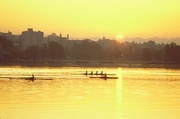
[(93, 18)]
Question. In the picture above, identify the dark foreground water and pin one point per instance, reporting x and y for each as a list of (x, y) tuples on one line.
[(65, 93)]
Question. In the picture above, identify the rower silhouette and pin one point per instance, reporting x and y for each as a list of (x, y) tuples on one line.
[(101, 73), (32, 78), (86, 73), (105, 76), (96, 73), (91, 73)]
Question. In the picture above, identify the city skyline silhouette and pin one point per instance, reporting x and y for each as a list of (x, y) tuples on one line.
[(84, 18)]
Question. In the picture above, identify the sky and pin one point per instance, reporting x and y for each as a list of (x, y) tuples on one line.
[(93, 18)]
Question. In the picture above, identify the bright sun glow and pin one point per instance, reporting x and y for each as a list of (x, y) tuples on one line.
[(119, 37)]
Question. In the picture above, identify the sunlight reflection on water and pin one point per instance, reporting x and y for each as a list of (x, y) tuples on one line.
[(119, 94)]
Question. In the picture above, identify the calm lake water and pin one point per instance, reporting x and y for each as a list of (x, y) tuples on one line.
[(139, 93)]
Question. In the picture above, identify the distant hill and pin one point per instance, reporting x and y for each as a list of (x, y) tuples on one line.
[(156, 39)]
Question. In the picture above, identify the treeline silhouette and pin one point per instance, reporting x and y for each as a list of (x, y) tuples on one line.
[(87, 49)]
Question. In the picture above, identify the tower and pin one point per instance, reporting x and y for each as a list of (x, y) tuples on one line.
[(67, 36)]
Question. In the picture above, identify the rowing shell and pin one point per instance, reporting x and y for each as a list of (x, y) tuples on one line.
[(29, 78), (104, 77)]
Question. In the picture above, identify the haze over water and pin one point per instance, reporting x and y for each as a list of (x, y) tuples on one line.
[(139, 93)]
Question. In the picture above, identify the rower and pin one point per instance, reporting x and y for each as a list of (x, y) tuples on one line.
[(96, 73), (32, 77), (86, 73), (91, 73), (101, 73), (105, 76)]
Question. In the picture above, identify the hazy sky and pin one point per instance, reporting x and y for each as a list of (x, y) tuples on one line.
[(93, 18)]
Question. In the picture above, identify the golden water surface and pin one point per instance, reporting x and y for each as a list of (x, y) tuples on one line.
[(139, 93)]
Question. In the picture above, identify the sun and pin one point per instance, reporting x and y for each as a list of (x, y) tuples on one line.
[(119, 37)]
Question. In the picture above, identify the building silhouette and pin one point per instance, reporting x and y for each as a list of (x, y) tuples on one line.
[(11, 37), (31, 38)]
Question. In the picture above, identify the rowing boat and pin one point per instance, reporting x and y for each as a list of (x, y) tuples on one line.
[(29, 78), (104, 77)]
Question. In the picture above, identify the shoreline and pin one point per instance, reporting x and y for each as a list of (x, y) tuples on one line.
[(93, 63)]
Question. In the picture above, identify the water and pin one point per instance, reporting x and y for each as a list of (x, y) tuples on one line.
[(138, 93)]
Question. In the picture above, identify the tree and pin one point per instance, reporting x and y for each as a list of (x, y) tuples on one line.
[(158, 55), (43, 51), (87, 49), (55, 50), (129, 52), (172, 53), (115, 53), (16, 53), (5, 49), (6, 44), (32, 52), (167, 53), (146, 54)]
